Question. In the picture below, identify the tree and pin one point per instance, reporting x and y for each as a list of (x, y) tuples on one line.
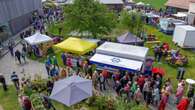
[(132, 21), (89, 16)]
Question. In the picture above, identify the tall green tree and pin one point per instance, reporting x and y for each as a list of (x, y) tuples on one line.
[(89, 16), (132, 21)]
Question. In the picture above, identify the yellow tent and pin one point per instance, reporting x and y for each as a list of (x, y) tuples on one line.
[(76, 46)]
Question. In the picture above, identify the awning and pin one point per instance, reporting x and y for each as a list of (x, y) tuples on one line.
[(76, 46), (116, 62), (37, 38)]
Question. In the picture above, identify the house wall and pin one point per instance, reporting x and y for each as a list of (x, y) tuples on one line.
[(15, 15), (10, 9)]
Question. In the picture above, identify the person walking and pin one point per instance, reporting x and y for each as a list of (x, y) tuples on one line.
[(23, 55), (18, 56), (15, 80), (180, 73), (138, 96), (54, 73), (48, 66), (160, 54), (164, 100), (94, 79), (55, 62), (156, 96), (11, 49), (156, 51), (146, 89), (179, 93), (3, 82), (101, 80), (63, 56)]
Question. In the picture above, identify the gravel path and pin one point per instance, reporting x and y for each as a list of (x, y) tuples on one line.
[(8, 64)]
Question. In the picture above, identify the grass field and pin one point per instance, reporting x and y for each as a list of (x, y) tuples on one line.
[(157, 4), (9, 99)]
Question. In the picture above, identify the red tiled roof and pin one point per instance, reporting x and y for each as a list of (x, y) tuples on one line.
[(183, 4)]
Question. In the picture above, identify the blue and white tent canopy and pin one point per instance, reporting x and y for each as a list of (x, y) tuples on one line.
[(116, 62)]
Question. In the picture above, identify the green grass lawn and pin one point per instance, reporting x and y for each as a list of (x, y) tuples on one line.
[(171, 71), (9, 99), (157, 4)]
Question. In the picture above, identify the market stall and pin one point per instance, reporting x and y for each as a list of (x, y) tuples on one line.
[(129, 38), (167, 25), (119, 56), (76, 46), (39, 42), (110, 62)]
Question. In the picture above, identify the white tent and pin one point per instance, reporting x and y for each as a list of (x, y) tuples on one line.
[(71, 90), (181, 15), (119, 56), (123, 50), (37, 38), (140, 3), (116, 62)]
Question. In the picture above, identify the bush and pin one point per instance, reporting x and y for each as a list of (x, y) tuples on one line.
[(37, 102)]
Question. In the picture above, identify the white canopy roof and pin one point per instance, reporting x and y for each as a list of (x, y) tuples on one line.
[(123, 50), (140, 3), (116, 62), (180, 14), (37, 38)]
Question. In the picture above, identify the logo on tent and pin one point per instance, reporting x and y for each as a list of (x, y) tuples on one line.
[(115, 60)]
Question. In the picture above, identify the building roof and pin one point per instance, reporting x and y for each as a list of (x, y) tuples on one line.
[(183, 4), (106, 2)]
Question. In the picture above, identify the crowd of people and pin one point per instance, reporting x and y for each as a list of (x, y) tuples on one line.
[(133, 86)]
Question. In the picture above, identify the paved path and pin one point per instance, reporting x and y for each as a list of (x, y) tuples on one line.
[(8, 64), (1, 108)]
